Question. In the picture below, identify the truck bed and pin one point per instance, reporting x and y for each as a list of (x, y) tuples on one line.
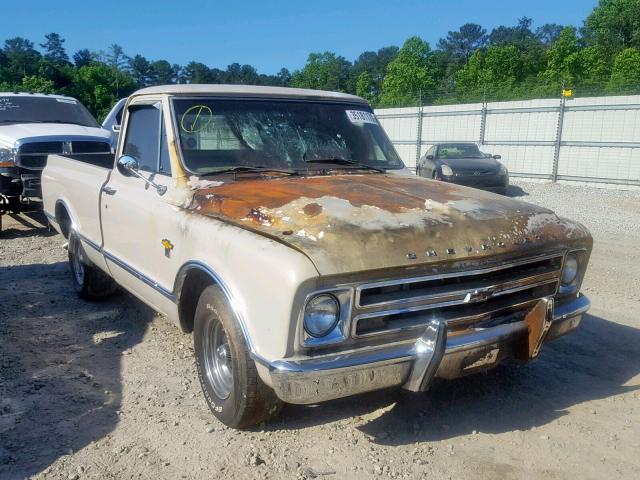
[(75, 181)]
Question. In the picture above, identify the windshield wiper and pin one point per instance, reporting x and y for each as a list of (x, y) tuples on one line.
[(256, 168), (344, 161)]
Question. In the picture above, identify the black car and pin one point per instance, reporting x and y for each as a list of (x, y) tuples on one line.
[(464, 164)]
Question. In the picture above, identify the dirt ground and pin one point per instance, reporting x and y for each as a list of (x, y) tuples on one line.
[(108, 390)]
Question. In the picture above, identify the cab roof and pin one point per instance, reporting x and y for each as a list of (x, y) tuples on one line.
[(248, 91)]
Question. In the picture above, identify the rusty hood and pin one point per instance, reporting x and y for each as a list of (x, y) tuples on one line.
[(349, 223)]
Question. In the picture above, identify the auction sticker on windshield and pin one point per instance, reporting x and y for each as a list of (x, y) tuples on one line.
[(361, 116)]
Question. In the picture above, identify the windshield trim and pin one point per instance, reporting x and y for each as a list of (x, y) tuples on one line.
[(174, 122)]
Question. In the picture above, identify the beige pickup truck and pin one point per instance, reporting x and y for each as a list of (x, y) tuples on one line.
[(282, 229)]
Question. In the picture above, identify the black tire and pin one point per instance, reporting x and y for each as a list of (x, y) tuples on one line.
[(89, 282), (232, 388)]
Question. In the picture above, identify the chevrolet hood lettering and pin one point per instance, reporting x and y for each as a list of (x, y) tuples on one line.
[(348, 223)]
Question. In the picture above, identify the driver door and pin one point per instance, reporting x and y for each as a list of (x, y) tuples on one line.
[(134, 213)]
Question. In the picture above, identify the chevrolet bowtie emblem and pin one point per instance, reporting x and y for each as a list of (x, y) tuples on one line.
[(168, 246)]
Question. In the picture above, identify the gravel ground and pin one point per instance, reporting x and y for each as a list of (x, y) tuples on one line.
[(108, 390)]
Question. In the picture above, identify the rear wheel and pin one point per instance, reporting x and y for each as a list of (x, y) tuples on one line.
[(89, 281), (232, 388)]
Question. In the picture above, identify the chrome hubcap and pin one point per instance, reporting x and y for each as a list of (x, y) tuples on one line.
[(218, 365)]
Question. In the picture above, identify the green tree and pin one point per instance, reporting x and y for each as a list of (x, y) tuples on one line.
[(410, 75), (463, 42), (593, 69), (323, 71), (493, 73), (118, 61), (549, 33), (116, 57), (141, 71), (364, 87), (82, 57), (283, 78), (625, 76), (164, 73), (35, 84), (614, 24), (520, 35), (22, 59), (195, 72), (95, 86), (375, 64), (54, 49), (241, 75), (561, 59)]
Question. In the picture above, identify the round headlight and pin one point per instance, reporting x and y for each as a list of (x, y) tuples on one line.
[(570, 270), (321, 315), (446, 170)]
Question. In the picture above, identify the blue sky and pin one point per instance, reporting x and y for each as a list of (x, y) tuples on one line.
[(267, 34)]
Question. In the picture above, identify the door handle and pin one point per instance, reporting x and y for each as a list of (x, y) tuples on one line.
[(109, 190)]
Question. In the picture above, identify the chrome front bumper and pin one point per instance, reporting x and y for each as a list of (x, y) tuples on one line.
[(413, 365)]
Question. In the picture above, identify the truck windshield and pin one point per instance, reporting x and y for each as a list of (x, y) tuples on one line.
[(36, 109), (216, 135)]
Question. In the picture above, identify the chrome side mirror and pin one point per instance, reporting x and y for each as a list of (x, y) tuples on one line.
[(128, 166)]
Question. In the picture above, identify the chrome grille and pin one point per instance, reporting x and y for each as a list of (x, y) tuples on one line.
[(90, 147), (462, 299), (474, 172), (34, 155)]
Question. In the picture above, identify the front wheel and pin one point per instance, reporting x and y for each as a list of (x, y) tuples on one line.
[(232, 388)]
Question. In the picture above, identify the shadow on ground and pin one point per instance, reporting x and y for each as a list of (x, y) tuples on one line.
[(60, 384), (515, 191), (592, 363), (24, 224)]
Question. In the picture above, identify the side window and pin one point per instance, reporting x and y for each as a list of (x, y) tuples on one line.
[(143, 136), (165, 163)]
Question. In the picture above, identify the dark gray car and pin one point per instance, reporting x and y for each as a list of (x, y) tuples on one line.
[(464, 164)]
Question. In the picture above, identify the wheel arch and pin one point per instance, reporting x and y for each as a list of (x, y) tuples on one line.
[(62, 214), (193, 277)]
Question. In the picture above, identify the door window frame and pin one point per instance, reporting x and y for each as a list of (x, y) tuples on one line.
[(147, 102)]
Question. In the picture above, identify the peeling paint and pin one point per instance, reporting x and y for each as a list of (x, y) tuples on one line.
[(349, 223), (197, 183)]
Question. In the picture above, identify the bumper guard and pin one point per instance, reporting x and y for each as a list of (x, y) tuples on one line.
[(434, 354)]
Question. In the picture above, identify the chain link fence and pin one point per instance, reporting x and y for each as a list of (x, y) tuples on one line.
[(587, 139)]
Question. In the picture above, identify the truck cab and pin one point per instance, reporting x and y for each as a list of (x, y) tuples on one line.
[(279, 228)]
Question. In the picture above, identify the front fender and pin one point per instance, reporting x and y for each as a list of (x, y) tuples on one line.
[(259, 276)]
